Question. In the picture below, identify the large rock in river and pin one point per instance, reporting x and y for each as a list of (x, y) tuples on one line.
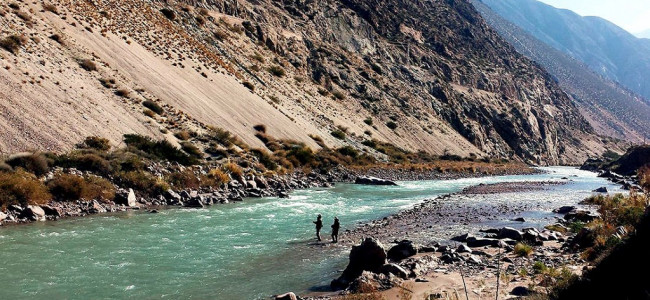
[(402, 250), (125, 197), (510, 233), (34, 213), (368, 256), (369, 180)]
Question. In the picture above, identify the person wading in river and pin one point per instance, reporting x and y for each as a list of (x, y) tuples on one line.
[(319, 225), (335, 230)]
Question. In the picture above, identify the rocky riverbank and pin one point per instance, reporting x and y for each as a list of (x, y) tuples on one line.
[(429, 265), (236, 190)]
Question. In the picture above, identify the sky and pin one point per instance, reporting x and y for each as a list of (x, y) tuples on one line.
[(631, 15)]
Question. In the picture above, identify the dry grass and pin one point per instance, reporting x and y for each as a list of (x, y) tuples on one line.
[(68, 187), (13, 43), (523, 250), (22, 188), (51, 8), (233, 169)]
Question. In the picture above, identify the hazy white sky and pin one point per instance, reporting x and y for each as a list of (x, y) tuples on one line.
[(631, 15)]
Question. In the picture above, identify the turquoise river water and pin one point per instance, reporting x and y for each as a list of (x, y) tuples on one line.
[(249, 250)]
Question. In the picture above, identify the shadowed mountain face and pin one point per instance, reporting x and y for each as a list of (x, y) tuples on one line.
[(610, 108), (423, 75), (601, 45)]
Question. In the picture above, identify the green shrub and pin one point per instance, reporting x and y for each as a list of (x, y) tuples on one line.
[(348, 151), (522, 249), (153, 106), (142, 181), (539, 267), (192, 150), (35, 163), (23, 189), (162, 150), (85, 162), (68, 187), (277, 71), (184, 180), (260, 128), (338, 134), (88, 65), (392, 125), (368, 121), (96, 143), (265, 159), (13, 43)]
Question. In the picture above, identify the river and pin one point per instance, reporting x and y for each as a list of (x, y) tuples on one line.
[(246, 250)]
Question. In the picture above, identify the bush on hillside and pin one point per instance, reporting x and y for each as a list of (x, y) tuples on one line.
[(96, 143), (161, 150), (22, 188), (68, 187), (153, 106), (13, 43), (35, 163)]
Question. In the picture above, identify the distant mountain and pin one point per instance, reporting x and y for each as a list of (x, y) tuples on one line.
[(601, 45), (643, 34), (610, 108)]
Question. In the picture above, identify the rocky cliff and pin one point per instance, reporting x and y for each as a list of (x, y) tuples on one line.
[(423, 75)]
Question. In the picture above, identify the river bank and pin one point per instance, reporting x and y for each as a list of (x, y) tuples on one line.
[(239, 188), (440, 227)]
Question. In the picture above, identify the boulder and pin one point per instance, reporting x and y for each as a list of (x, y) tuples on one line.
[(581, 215), (369, 180), (510, 233), (54, 212), (463, 249), (395, 270), (34, 213), (461, 238), (126, 198), (195, 202), (368, 256), (17, 209), (95, 208), (520, 291), (287, 296), (427, 249), (600, 190), (475, 242), (3, 216), (402, 250), (564, 210), (283, 195), (185, 195), (173, 196), (261, 182)]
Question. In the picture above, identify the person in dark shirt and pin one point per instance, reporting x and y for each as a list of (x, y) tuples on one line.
[(335, 230), (319, 225)]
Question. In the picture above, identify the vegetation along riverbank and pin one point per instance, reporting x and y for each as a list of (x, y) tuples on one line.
[(147, 173)]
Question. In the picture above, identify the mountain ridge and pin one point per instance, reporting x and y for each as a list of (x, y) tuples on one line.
[(299, 67)]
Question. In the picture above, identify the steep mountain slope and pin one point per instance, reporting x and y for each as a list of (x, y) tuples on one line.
[(603, 46), (426, 76), (611, 109)]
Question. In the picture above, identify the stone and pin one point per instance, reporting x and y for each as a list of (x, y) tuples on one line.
[(601, 190), (261, 182), (3, 216), (402, 250), (185, 195), (367, 256), (519, 219), (50, 211), (510, 233), (395, 270), (283, 195), (481, 242), (581, 215), (474, 260), (126, 198), (286, 296), (520, 291), (34, 213), (369, 180), (195, 202), (564, 210), (461, 238), (427, 249), (463, 249), (171, 195), (96, 208), (17, 209)]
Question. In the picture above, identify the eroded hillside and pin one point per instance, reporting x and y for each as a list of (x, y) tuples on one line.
[(424, 75)]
